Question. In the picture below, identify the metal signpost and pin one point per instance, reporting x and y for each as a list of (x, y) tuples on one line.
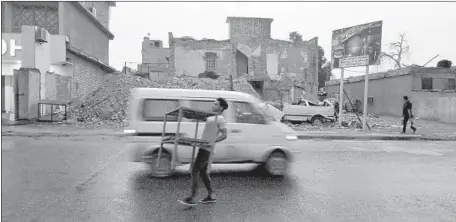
[(354, 47)]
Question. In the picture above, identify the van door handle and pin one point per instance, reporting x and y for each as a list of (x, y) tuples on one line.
[(235, 131)]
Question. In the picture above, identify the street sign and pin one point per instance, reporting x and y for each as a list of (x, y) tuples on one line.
[(354, 61)]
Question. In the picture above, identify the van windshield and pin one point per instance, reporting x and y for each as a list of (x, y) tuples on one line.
[(267, 112)]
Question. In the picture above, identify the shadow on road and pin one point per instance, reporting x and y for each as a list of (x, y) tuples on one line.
[(250, 186)]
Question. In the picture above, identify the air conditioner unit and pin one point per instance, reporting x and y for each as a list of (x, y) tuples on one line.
[(94, 11), (41, 35)]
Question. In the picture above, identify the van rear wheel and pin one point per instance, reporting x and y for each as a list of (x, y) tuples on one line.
[(165, 169)]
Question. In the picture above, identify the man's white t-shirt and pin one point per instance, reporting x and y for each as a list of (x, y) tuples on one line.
[(212, 130)]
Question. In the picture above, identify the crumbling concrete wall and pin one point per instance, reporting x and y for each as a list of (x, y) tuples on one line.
[(388, 89), (440, 78), (58, 87), (153, 53), (249, 28), (189, 56), (386, 92), (434, 105)]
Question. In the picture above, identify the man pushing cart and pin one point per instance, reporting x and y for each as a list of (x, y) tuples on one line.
[(214, 132)]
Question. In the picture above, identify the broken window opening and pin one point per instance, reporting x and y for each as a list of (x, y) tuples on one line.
[(426, 83), (452, 84)]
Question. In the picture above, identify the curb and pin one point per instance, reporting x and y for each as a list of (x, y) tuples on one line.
[(373, 137), (300, 137), (53, 134)]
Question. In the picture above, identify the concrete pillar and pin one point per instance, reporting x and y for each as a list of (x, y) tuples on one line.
[(36, 55)]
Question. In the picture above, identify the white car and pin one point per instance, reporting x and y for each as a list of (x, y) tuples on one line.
[(308, 111), (253, 137)]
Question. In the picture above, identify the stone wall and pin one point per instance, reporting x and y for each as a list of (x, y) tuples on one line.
[(87, 76), (189, 56), (58, 87)]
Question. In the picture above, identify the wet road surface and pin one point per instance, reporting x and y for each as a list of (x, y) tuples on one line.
[(65, 179)]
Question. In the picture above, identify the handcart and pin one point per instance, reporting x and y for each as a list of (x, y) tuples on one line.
[(177, 139)]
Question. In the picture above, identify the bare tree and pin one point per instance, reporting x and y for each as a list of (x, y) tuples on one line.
[(397, 51)]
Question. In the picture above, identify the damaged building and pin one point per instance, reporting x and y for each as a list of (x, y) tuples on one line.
[(277, 69)]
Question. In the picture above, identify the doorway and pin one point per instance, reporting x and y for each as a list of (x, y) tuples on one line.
[(242, 63), (258, 86)]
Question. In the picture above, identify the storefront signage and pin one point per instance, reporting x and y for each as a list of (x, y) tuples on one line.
[(11, 46)]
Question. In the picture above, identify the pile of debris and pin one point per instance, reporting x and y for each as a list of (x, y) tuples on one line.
[(108, 104), (350, 121)]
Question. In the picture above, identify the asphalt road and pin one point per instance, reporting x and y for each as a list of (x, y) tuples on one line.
[(90, 179)]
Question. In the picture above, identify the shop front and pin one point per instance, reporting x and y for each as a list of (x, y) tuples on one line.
[(11, 60), (21, 50)]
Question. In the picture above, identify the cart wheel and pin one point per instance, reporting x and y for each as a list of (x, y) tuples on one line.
[(165, 164)]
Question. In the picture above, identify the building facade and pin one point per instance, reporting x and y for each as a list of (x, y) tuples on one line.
[(272, 66), (155, 59), (431, 90), (86, 28)]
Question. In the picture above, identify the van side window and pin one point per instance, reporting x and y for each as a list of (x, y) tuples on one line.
[(245, 113), (205, 105), (155, 109)]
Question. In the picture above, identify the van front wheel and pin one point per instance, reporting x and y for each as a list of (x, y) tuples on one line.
[(277, 164), (164, 170)]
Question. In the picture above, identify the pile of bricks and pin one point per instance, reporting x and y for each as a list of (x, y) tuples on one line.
[(108, 104)]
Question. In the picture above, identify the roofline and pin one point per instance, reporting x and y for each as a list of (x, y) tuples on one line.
[(255, 18), (89, 58)]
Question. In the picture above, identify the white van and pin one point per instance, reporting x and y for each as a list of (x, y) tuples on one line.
[(253, 136)]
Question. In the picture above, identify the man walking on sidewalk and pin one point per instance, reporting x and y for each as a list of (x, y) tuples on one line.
[(215, 129), (407, 114)]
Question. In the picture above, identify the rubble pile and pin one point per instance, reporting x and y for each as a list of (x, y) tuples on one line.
[(350, 121), (108, 104)]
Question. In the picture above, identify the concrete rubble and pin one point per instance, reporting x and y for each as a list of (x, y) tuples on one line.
[(350, 121), (108, 104)]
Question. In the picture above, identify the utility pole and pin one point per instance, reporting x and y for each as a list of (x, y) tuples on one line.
[(125, 68)]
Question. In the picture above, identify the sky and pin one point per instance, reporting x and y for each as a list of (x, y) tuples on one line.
[(430, 27)]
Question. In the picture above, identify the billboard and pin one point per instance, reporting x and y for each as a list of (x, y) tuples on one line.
[(357, 45)]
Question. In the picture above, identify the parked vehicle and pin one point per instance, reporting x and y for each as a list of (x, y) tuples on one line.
[(309, 111), (253, 137)]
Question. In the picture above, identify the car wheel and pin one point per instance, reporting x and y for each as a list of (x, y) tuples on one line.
[(318, 120), (165, 169), (276, 164)]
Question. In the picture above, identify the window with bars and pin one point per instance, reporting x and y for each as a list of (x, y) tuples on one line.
[(211, 61), (43, 16)]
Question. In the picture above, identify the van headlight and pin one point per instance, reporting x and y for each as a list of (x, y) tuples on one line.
[(129, 131), (292, 137)]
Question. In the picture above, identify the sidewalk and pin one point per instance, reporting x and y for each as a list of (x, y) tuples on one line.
[(327, 133), (332, 135), (382, 128), (58, 130)]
